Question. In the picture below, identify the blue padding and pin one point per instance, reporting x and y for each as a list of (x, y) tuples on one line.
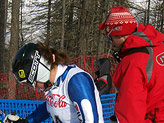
[(22, 107), (108, 101), (25, 107)]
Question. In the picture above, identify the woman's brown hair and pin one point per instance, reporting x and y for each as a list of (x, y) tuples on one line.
[(47, 52)]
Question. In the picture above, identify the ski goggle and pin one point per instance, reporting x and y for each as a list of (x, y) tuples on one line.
[(108, 35)]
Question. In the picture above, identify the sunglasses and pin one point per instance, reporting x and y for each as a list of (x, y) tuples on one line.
[(117, 27)]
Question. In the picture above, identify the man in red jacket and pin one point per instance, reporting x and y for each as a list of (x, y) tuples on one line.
[(140, 74)]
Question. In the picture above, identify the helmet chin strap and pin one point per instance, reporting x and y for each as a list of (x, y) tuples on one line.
[(47, 84)]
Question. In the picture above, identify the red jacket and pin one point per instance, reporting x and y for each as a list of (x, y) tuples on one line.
[(140, 78)]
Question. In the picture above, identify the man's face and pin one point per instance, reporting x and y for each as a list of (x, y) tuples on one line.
[(117, 41)]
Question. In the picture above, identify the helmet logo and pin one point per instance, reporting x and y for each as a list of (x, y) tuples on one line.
[(34, 67), (21, 74)]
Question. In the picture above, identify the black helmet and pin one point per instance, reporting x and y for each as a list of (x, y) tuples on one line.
[(29, 66)]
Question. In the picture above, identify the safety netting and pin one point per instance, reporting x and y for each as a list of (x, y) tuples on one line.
[(25, 107), (11, 89)]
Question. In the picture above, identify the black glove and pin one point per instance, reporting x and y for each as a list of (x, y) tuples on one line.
[(13, 118)]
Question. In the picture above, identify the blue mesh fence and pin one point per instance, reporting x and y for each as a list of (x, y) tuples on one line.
[(108, 102), (22, 108), (25, 107)]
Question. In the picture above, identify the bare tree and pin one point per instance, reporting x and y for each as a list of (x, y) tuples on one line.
[(148, 11), (162, 18), (73, 24), (21, 25), (3, 14), (83, 26), (102, 16), (14, 42), (48, 22), (63, 25)]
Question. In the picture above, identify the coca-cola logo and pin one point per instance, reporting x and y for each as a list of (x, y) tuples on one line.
[(56, 100)]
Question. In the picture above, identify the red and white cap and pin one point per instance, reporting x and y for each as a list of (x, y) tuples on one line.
[(119, 22)]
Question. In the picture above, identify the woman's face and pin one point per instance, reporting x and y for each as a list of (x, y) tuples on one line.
[(53, 72), (40, 85)]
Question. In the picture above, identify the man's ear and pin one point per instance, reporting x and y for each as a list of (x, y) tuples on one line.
[(53, 57)]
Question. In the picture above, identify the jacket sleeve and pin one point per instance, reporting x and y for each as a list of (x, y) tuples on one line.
[(39, 115), (81, 92), (131, 79)]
